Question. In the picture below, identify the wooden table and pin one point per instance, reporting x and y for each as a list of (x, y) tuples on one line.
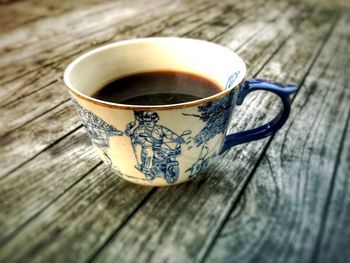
[(282, 199)]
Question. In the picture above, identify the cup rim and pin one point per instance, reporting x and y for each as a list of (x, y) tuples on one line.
[(70, 87)]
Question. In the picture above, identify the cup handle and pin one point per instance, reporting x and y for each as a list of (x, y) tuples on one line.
[(269, 128)]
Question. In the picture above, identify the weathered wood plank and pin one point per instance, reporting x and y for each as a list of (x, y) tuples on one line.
[(189, 216), (21, 112), (16, 42), (230, 16), (285, 201), (335, 241), (97, 204), (23, 144), (80, 38), (19, 13), (36, 184), (80, 22), (42, 100)]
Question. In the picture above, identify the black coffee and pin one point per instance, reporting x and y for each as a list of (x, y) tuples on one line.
[(157, 88)]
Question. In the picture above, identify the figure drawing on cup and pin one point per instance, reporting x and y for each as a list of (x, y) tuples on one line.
[(155, 146), (98, 129)]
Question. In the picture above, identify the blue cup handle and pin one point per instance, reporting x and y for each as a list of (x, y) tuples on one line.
[(269, 128)]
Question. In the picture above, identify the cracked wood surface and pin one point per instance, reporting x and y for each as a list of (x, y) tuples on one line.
[(281, 199)]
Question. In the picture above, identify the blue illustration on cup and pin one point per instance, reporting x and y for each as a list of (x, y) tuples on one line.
[(232, 79), (202, 162), (155, 146), (215, 114), (98, 129)]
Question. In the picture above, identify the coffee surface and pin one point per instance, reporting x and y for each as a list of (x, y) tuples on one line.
[(157, 88)]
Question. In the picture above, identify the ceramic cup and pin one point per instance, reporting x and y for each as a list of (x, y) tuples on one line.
[(167, 144)]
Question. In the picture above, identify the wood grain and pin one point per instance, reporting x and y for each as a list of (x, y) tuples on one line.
[(29, 140), (36, 184), (78, 222), (104, 26), (281, 212), (22, 13), (334, 239)]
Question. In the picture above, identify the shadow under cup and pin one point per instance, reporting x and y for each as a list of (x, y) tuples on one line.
[(156, 145)]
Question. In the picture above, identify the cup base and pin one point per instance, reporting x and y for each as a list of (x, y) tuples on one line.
[(157, 182)]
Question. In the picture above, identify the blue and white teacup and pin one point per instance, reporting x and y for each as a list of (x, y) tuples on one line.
[(166, 144)]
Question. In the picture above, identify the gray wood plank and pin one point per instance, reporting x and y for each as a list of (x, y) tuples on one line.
[(25, 221), (280, 215), (107, 12), (335, 234), (35, 185), (17, 114), (22, 13), (183, 221), (231, 16), (17, 43), (26, 142), (97, 204), (21, 112)]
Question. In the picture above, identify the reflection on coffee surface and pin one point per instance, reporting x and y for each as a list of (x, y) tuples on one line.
[(157, 88)]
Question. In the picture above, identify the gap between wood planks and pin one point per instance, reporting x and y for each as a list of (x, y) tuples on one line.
[(7, 173), (29, 12), (36, 117)]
